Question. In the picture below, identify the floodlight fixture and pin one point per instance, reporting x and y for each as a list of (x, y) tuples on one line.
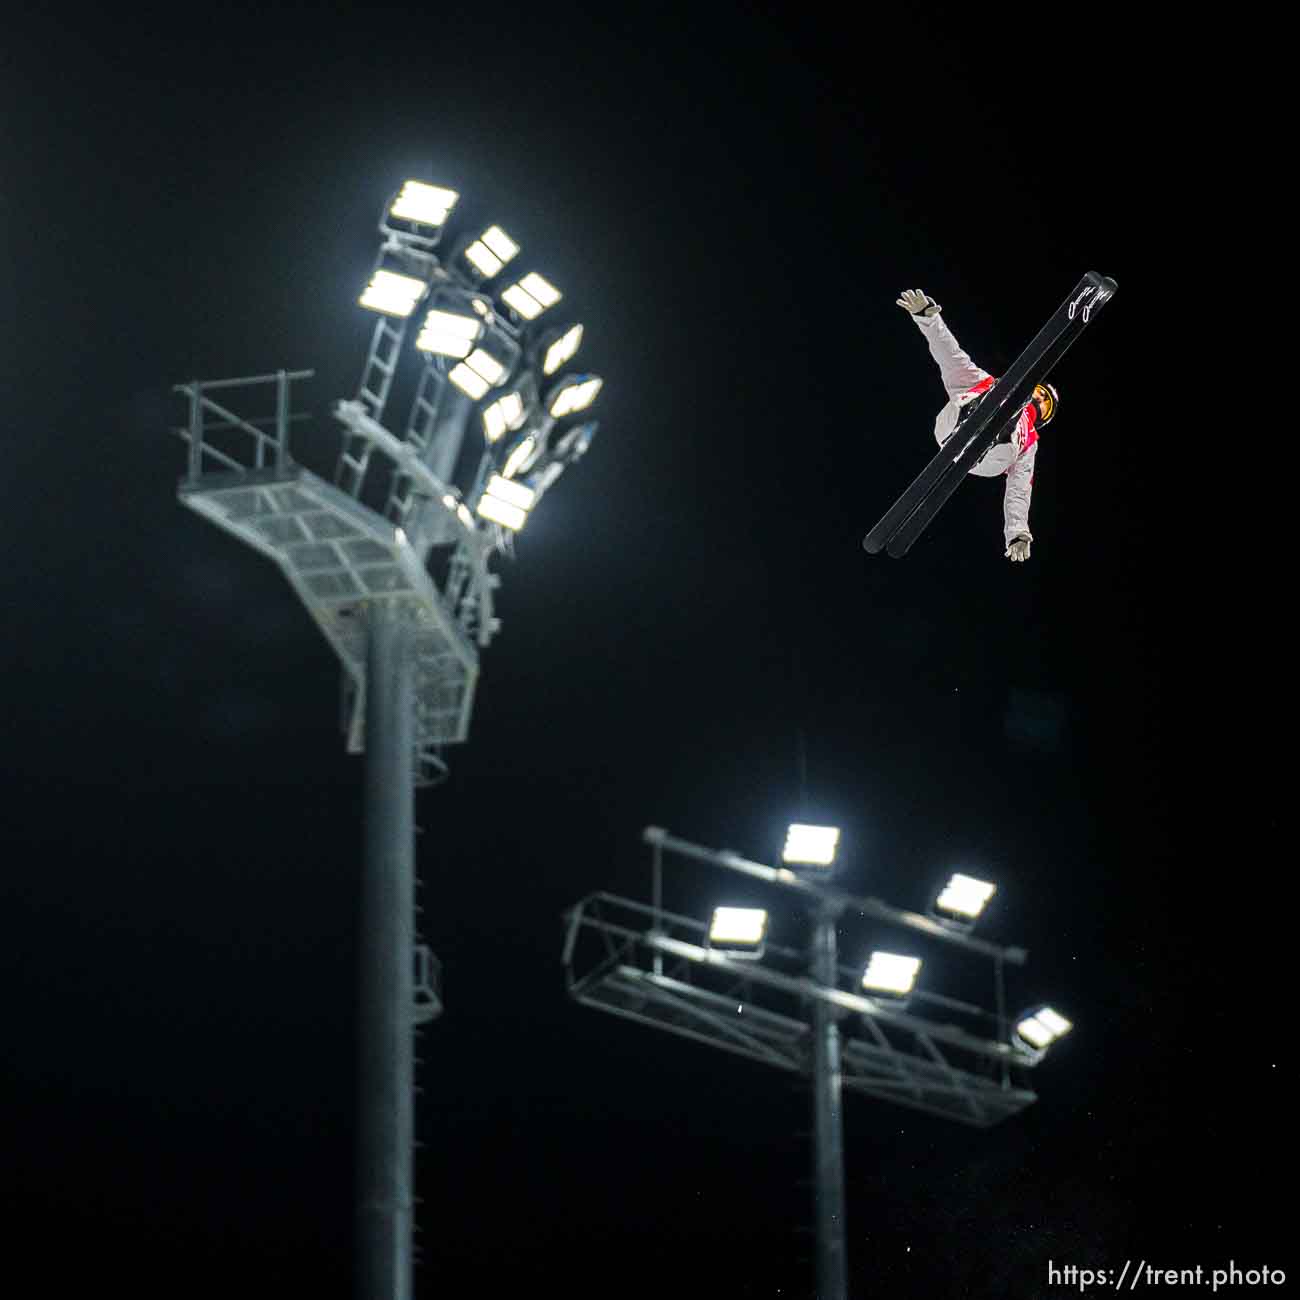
[(1042, 1028), (559, 347), (423, 204), (477, 373), (573, 394), (449, 334), (811, 845), (503, 416), (506, 503), (890, 972), (514, 410), (963, 898), (738, 931), (392, 293), (490, 251), (521, 456), (531, 295), (544, 463)]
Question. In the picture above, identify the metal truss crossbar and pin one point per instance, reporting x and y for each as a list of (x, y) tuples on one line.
[(837, 898), (745, 1009)]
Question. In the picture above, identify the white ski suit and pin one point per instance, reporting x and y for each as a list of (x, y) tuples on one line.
[(963, 380)]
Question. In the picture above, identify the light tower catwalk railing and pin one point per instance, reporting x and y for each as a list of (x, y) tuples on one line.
[(403, 595), (797, 1009), (653, 966), (338, 555)]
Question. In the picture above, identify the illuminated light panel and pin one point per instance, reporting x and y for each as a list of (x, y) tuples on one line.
[(563, 349), (506, 503), (393, 294), (448, 334), (519, 457), (888, 972), (1057, 1023), (1043, 1027), (516, 493), (468, 380), (503, 416), (814, 845), (491, 251), (738, 925), (531, 296), (965, 896), (575, 397), (426, 205), (477, 373), (503, 513)]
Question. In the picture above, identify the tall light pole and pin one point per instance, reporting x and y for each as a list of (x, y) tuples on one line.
[(828, 1127), (725, 983), (403, 594)]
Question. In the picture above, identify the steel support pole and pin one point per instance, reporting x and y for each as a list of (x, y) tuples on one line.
[(828, 1132), (454, 411), (386, 1101)]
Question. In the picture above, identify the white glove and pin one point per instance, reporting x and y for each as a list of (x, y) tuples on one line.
[(918, 303), (1018, 550)]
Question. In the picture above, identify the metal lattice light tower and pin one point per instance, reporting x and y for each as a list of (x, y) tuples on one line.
[(724, 983), (403, 593)]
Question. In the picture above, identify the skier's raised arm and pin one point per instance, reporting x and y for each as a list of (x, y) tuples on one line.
[(1015, 504), (958, 371)]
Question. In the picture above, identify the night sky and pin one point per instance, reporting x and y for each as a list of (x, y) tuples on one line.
[(692, 637)]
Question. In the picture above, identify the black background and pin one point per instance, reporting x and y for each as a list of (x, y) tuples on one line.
[(731, 203)]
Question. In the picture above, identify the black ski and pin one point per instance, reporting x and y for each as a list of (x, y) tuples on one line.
[(1049, 353), (924, 483), (909, 516)]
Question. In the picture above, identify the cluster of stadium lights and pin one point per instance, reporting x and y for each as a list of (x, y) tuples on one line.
[(461, 325), (742, 931)]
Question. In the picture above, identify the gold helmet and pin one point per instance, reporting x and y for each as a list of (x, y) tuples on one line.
[(1046, 397)]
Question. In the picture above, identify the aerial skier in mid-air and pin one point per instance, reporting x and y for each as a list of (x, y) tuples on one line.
[(1017, 447), (989, 425)]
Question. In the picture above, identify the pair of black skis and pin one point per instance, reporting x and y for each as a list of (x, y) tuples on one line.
[(989, 415)]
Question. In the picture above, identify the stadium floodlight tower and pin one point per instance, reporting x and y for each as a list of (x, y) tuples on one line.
[(875, 1029), (403, 593)]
